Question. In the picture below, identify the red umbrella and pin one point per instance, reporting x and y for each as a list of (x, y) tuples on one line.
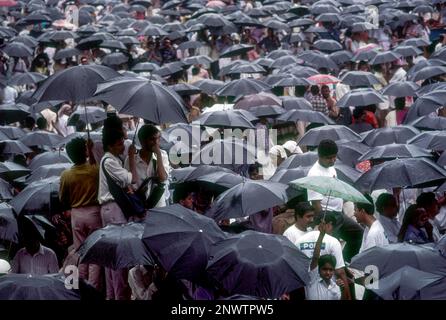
[(7, 3), (216, 4), (323, 79)]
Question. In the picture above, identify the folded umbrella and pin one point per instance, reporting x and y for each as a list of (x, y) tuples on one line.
[(49, 157), (116, 247), (13, 147), (305, 115), (401, 89), (334, 132), (400, 173), (247, 198), (180, 239), (384, 136), (10, 170), (9, 229), (87, 114), (258, 264), (421, 257), (360, 97), (130, 96), (359, 78)]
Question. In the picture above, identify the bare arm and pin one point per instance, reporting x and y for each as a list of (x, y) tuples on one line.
[(317, 248), (340, 273)]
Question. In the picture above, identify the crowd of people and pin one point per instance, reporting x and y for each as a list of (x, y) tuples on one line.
[(121, 160)]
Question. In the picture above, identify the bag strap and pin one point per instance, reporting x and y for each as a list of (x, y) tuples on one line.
[(110, 180)]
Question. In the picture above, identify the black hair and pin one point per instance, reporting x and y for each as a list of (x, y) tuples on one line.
[(302, 208), (42, 124), (383, 200), (329, 218), (110, 137), (147, 131), (326, 148), (411, 216), (426, 199), (113, 122), (181, 192), (29, 122), (314, 89), (369, 208), (327, 258), (400, 103), (358, 113), (76, 150)]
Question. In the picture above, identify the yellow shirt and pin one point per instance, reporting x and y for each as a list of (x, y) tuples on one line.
[(79, 186)]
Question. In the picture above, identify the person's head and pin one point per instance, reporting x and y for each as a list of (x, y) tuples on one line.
[(387, 205), (400, 103), (277, 154), (304, 215), (113, 122), (270, 32), (42, 124), (364, 211), (29, 122), (113, 141), (254, 171), (415, 217), (428, 202), (77, 150), (188, 201), (330, 221), (195, 70), (363, 66), (148, 136), (359, 114), (327, 152), (327, 265), (29, 235), (314, 90), (84, 60), (325, 91)]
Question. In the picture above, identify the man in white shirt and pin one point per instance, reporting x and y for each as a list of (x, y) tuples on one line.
[(387, 207), (304, 215), (428, 202), (329, 246), (344, 228), (374, 232)]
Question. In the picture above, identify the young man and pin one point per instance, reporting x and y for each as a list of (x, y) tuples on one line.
[(78, 192), (329, 246), (374, 232), (304, 214), (387, 207), (429, 203), (345, 227), (322, 269)]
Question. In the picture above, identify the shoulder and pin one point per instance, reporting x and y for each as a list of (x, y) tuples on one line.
[(48, 251)]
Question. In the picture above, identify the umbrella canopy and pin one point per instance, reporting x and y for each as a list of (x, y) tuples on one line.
[(399, 173), (194, 173), (236, 50), (359, 78), (224, 119), (384, 57), (10, 113), (287, 175), (421, 257), (87, 114), (37, 195), (242, 87), (67, 53), (331, 187), (360, 97), (269, 111), (145, 67), (83, 81), (209, 86), (430, 123), (435, 140), (165, 104), (305, 115), (17, 49), (290, 103), (258, 99), (394, 151), (428, 72), (41, 138), (8, 224), (10, 170), (350, 151), (299, 160), (116, 247), (407, 51), (247, 198), (334, 132), (318, 59), (13, 147), (225, 180), (26, 78), (35, 287), (49, 157), (383, 136), (185, 89), (401, 89), (327, 45), (322, 79), (12, 132), (258, 264), (404, 283), (114, 59), (47, 171), (180, 239)]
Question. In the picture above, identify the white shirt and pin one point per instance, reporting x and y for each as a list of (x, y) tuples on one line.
[(293, 233), (334, 204), (136, 283), (330, 245), (400, 75), (435, 230), (391, 228), (10, 95), (318, 289), (373, 236), (62, 126), (117, 172)]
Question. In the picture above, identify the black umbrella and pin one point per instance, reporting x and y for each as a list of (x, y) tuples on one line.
[(407, 51), (394, 151), (435, 140), (430, 123), (258, 264), (9, 230), (364, 55), (341, 56), (145, 67), (247, 198), (384, 57), (245, 67), (409, 172), (401, 89), (417, 42), (115, 59), (35, 287), (327, 45), (299, 160), (269, 111), (305, 115), (222, 179), (116, 247), (170, 68), (113, 44), (47, 171), (67, 53), (428, 72), (18, 50), (10, 113), (318, 59), (291, 81), (36, 196), (26, 78), (165, 104), (236, 50), (185, 89), (12, 132), (224, 119), (5, 190), (360, 97), (41, 138), (49, 157), (333, 132), (180, 239), (194, 173), (383, 136), (10, 170), (350, 151), (359, 78), (209, 86), (203, 60), (88, 114), (242, 87), (13, 147), (421, 257), (291, 103), (83, 81), (287, 175)]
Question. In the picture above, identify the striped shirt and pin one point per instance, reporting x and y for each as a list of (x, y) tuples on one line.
[(318, 103), (43, 262)]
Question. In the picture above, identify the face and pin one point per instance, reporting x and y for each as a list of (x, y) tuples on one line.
[(359, 215), (326, 271), (391, 210), (325, 92), (307, 219), (422, 219), (118, 147), (188, 201), (152, 141), (327, 161), (432, 210)]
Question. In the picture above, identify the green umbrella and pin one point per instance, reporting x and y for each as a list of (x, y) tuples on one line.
[(331, 187)]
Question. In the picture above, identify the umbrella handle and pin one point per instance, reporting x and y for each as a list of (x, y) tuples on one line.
[(326, 207), (86, 118), (134, 136)]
